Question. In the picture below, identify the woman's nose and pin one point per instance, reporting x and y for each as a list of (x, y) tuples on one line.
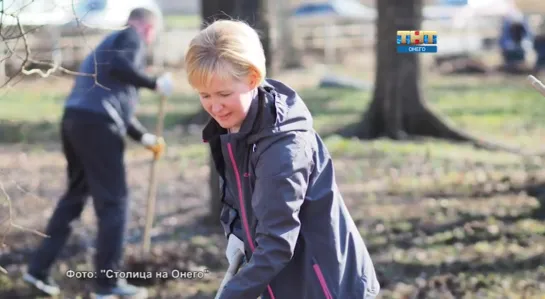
[(216, 107)]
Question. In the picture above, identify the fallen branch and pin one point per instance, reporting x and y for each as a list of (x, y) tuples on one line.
[(11, 223)]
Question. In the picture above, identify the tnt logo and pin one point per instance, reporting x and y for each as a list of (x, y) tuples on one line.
[(416, 41), (417, 37)]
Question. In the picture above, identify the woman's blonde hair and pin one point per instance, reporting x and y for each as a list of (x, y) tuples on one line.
[(225, 48)]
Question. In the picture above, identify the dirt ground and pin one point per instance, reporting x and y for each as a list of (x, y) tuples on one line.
[(34, 180), (424, 246)]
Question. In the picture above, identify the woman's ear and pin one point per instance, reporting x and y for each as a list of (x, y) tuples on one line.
[(254, 79)]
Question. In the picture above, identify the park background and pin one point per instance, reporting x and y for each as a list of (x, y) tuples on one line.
[(430, 150)]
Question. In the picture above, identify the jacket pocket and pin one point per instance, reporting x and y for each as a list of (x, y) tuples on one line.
[(321, 279)]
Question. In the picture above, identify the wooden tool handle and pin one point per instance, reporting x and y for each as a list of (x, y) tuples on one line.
[(150, 211), (231, 271), (537, 85)]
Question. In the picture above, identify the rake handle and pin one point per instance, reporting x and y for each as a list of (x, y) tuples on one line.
[(536, 84), (231, 271), (150, 211)]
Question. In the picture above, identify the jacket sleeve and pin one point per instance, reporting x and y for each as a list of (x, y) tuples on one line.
[(229, 218), (135, 129), (282, 176), (230, 221), (126, 47)]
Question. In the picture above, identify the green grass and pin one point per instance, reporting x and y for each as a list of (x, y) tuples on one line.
[(510, 113), (30, 106), (30, 116)]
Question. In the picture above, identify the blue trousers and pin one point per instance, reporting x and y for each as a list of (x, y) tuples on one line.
[(94, 153), (513, 56)]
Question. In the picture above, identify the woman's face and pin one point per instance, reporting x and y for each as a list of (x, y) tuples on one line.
[(228, 101)]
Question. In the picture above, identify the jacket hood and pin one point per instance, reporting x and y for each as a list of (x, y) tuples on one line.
[(283, 111), (276, 110)]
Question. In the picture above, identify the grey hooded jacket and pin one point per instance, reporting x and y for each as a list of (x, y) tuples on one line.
[(280, 197)]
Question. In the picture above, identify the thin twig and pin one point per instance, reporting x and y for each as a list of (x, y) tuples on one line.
[(85, 41), (27, 51), (11, 223), (52, 67)]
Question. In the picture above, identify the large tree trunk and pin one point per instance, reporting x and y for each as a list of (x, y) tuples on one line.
[(212, 10), (397, 108), (287, 56), (255, 13)]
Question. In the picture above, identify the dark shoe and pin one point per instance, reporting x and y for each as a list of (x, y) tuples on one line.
[(45, 285), (122, 290)]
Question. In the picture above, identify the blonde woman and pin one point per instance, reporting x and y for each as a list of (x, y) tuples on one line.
[(281, 205)]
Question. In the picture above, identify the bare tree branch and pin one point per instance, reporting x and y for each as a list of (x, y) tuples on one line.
[(11, 222), (7, 34), (16, 43)]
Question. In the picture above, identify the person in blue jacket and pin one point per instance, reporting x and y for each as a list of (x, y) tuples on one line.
[(282, 207), (515, 31), (539, 47), (98, 114)]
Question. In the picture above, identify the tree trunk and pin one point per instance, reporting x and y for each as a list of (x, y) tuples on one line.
[(215, 194), (264, 26), (397, 109), (287, 56), (3, 73), (256, 14), (212, 10)]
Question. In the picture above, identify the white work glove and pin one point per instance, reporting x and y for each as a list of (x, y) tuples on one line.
[(164, 84), (234, 245), (154, 143)]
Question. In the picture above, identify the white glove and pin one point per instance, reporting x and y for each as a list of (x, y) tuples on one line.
[(154, 143), (234, 245), (164, 84), (149, 139)]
